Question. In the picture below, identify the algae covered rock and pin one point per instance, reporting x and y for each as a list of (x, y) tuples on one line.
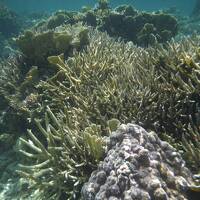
[(138, 165), (127, 10), (131, 25)]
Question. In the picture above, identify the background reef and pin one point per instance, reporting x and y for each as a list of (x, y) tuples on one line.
[(11, 24), (74, 77), (124, 21)]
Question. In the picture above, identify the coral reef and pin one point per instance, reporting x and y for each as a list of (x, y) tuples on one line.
[(37, 46), (6, 141), (60, 18), (93, 82), (12, 115), (10, 26), (19, 98), (126, 22), (141, 28), (138, 165), (68, 156), (155, 87)]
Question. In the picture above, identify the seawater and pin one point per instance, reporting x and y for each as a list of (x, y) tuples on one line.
[(185, 6)]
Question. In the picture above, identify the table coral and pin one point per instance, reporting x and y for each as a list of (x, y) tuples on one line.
[(37, 46)]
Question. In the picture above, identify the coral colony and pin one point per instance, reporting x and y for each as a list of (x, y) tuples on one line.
[(78, 93)]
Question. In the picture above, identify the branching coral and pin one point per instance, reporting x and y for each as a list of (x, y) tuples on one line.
[(71, 151), (191, 147), (19, 99), (89, 89), (11, 119), (157, 87)]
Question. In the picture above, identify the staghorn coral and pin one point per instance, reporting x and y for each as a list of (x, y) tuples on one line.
[(156, 87), (191, 145), (10, 77), (19, 98), (71, 151)]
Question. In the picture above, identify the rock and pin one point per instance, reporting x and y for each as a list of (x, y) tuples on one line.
[(138, 165)]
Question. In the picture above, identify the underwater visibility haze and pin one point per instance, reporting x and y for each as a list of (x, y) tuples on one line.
[(31, 5), (99, 100)]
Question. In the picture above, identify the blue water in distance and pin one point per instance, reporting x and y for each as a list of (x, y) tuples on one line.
[(185, 6)]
